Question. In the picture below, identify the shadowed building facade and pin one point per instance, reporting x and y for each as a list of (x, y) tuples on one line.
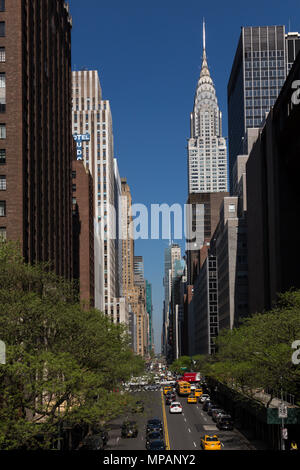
[(35, 130)]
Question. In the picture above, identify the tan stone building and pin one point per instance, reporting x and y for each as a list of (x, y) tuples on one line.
[(134, 294)]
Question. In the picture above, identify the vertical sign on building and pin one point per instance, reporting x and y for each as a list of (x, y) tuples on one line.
[(79, 139)]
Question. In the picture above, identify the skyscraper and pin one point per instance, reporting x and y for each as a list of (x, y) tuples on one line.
[(35, 130), (263, 57), (149, 309), (172, 253), (92, 116), (138, 267), (207, 152), (133, 283)]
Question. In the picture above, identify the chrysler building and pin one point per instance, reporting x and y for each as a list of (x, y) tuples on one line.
[(207, 152)]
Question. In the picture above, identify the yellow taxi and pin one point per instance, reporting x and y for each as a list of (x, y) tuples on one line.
[(198, 392), (192, 398), (167, 389), (210, 443)]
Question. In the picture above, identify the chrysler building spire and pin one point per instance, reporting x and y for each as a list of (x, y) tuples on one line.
[(207, 148)]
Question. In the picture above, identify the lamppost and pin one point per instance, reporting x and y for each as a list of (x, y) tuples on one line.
[(282, 411)]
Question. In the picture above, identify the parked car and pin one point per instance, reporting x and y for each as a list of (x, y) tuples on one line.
[(129, 429), (204, 397), (225, 422), (206, 405), (216, 413), (211, 407)]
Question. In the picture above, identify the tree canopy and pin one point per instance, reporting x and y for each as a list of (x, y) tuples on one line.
[(257, 355), (63, 362)]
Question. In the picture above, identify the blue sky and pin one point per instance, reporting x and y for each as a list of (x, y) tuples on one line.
[(148, 55)]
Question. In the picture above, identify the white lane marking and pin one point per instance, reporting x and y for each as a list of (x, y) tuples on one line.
[(190, 430), (118, 440), (184, 419), (194, 444)]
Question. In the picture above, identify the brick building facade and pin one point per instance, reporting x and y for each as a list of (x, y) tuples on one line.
[(35, 130)]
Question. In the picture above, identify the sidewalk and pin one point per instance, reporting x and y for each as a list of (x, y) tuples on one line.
[(250, 441)]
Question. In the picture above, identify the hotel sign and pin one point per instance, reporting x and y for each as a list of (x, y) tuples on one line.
[(79, 139)]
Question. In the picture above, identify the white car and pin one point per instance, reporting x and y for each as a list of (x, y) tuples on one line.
[(175, 407), (204, 397)]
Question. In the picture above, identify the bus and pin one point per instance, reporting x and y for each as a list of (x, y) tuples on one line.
[(183, 389)]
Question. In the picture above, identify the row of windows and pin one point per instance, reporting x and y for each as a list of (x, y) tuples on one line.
[(265, 73), (258, 54), (264, 83), (260, 102), (262, 92), (264, 64), (253, 122)]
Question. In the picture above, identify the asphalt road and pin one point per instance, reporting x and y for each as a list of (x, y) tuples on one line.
[(182, 431)]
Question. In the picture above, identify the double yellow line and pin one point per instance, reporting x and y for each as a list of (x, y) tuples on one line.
[(165, 422)]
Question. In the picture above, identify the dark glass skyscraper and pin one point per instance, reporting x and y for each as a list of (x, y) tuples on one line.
[(258, 72)]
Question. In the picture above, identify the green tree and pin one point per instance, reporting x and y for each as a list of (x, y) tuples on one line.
[(257, 354), (64, 363)]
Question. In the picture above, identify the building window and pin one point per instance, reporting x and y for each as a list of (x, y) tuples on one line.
[(73, 187), (2, 54), (231, 208), (2, 5), (2, 131), (2, 92), (2, 233), (2, 29), (2, 156), (2, 183), (2, 208)]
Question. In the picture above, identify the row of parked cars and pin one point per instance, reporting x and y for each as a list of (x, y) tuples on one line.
[(221, 417)]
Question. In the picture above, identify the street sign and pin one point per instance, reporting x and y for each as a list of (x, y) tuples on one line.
[(183, 368), (282, 411), (284, 433)]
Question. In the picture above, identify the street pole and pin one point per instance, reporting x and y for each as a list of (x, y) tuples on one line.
[(282, 424)]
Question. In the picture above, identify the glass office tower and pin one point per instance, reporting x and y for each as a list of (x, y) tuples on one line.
[(258, 73)]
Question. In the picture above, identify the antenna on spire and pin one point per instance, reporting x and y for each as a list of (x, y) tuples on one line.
[(204, 35)]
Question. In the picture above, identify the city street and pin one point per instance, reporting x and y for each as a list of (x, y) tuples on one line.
[(183, 431)]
